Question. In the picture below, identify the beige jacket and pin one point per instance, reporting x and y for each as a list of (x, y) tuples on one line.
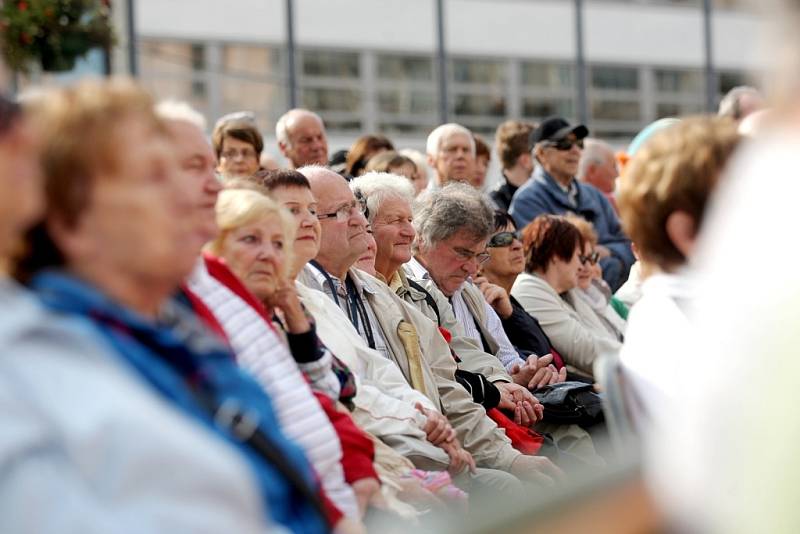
[(478, 433), (577, 341), (472, 356)]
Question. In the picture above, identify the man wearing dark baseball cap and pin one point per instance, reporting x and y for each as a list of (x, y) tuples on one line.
[(557, 147)]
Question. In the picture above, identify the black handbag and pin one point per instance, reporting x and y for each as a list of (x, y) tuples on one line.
[(571, 403)]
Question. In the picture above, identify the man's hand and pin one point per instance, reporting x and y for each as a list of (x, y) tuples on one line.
[(537, 371), (513, 397), (459, 458), (437, 428), (496, 296), (536, 469)]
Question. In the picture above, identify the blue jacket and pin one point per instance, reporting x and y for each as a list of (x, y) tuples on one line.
[(190, 370), (541, 194)]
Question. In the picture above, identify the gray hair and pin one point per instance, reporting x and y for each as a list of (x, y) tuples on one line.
[(179, 110), (378, 187), (730, 105), (282, 126), (440, 133), (595, 152), (456, 207)]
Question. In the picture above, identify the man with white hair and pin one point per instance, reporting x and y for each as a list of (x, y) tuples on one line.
[(302, 138), (451, 154), (598, 167), (740, 102)]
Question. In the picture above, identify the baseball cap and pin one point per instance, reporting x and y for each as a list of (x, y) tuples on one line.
[(555, 129)]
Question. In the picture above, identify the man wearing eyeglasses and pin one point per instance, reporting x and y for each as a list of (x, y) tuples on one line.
[(554, 189)]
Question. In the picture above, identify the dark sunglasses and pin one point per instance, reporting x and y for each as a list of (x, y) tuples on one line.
[(565, 144), (591, 258), (504, 239)]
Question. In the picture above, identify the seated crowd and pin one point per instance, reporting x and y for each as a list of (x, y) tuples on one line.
[(193, 341)]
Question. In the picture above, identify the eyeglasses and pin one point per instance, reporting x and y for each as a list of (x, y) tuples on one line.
[(344, 211), (591, 258), (504, 239), (467, 255), (245, 153), (565, 144)]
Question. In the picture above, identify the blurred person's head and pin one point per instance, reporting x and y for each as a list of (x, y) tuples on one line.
[(451, 153), (118, 215), (238, 145), (453, 225), (483, 155), (394, 163), (553, 247), (558, 146), (302, 138), (506, 253), (757, 123), (362, 150), (513, 144), (740, 102), (388, 201), (598, 165), (255, 240), (666, 186), (22, 200), (421, 162), (341, 216), (291, 190), (590, 268), (267, 162), (367, 260), (196, 159)]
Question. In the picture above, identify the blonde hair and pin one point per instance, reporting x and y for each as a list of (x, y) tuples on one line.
[(239, 207)]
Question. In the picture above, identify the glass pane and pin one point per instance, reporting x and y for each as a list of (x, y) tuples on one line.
[(615, 78), (330, 64), (478, 71), (255, 61), (547, 75), (165, 57), (729, 80), (406, 102), (669, 109), (679, 81), (402, 128), (350, 125), (325, 99), (544, 107), (404, 68), (494, 106), (613, 110), (486, 130), (620, 133), (177, 88), (266, 99)]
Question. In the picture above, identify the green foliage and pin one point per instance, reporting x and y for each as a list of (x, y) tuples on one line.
[(53, 32)]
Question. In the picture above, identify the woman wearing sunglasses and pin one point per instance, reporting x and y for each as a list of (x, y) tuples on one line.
[(592, 289), (553, 249), (506, 262)]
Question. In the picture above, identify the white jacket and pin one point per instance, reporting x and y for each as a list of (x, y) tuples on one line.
[(578, 342), (261, 352), (86, 446)]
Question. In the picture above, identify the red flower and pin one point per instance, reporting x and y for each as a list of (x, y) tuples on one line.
[(22, 6)]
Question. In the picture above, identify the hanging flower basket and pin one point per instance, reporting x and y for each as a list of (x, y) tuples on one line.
[(53, 33)]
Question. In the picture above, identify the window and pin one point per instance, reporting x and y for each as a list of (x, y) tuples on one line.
[(539, 108), (391, 67), (480, 71), (616, 110), (330, 64), (488, 105), (673, 109), (624, 78), (403, 101), (547, 75), (163, 57), (322, 99), (729, 80), (679, 81)]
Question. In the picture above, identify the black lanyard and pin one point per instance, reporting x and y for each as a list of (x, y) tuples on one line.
[(354, 302)]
